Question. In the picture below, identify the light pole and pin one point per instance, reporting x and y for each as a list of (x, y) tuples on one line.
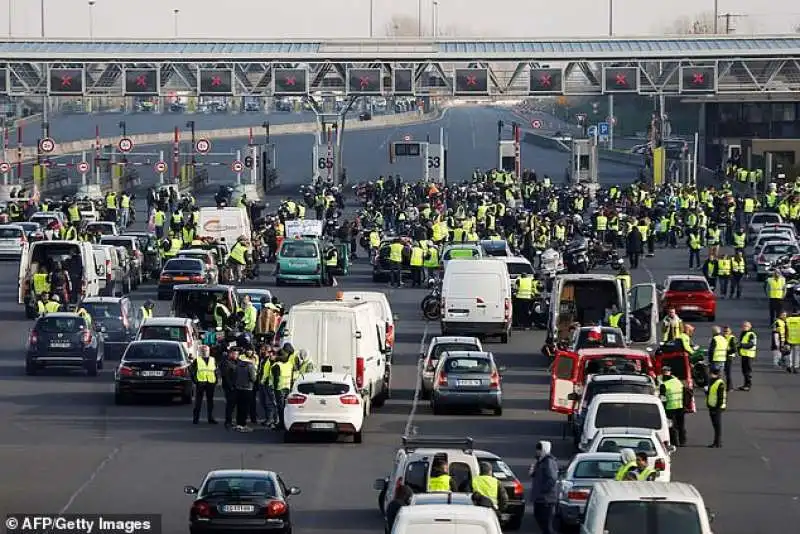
[(41, 17), (371, 17), (91, 19), (190, 125), (434, 18), (611, 118), (175, 13), (10, 15), (716, 17), (419, 18)]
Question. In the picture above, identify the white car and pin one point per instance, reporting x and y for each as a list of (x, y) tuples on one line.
[(12, 240), (638, 440), (324, 403), (180, 329), (437, 346)]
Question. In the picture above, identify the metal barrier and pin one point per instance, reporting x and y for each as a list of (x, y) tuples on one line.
[(192, 178)]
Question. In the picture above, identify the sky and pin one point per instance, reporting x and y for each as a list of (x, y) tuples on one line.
[(276, 19)]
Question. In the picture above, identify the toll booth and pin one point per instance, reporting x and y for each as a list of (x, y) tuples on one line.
[(507, 157), (583, 161)]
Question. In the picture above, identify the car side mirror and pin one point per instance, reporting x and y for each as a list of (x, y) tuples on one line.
[(380, 484), (502, 368), (190, 490), (395, 317), (294, 491), (711, 515)]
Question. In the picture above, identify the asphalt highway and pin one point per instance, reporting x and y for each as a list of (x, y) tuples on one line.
[(65, 446)]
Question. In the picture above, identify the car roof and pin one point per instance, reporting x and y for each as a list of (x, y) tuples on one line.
[(103, 300), (648, 433), (441, 511), (636, 490), (156, 341), (107, 223), (166, 321), (62, 315), (512, 259), (437, 497), (466, 354), (343, 378), (194, 251), (778, 242), (613, 351), (438, 340), (643, 379), (220, 473), (685, 277), (206, 287), (583, 456), (630, 398), (11, 225), (602, 328)]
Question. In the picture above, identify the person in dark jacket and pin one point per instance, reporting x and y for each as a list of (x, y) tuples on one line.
[(245, 380), (544, 475), (228, 376), (401, 498), (634, 246)]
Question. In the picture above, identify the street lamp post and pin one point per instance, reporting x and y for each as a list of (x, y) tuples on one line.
[(41, 17), (371, 17), (10, 16), (434, 18), (123, 126), (419, 18), (611, 118), (91, 19), (190, 125), (175, 13)]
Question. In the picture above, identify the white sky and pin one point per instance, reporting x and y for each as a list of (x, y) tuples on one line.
[(275, 19)]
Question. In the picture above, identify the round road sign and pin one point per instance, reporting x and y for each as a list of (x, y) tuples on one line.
[(161, 166), (83, 167), (406, 138), (4, 167), (237, 166), (125, 144), (202, 145), (536, 123), (47, 145)]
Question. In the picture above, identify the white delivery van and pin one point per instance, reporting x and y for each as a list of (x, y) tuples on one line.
[(77, 257), (446, 519), (625, 410), (476, 299), (224, 223), (346, 336), (386, 309)]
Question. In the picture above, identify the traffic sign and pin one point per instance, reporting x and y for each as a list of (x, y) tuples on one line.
[(47, 145), (591, 131), (536, 123), (202, 145), (83, 167), (406, 137), (237, 166), (125, 144), (161, 166), (5, 167), (603, 129)]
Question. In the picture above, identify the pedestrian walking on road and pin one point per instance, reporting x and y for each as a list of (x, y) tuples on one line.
[(203, 371), (717, 402), (544, 475), (748, 346)]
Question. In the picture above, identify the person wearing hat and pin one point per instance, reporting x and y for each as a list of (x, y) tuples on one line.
[(146, 310), (487, 485), (283, 378), (717, 402), (627, 471), (544, 493), (671, 391)]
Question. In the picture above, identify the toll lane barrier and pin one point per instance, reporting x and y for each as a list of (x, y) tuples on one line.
[(382, 121)]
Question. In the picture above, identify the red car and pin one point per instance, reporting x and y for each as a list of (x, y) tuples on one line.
[(689, 295)]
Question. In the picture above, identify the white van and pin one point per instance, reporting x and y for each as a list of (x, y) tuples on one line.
[(46, 254), (476, 299), (446, 519), (645, 508), (624, 410), (386, 309), (346, 336), (111, 276), (224, 223)]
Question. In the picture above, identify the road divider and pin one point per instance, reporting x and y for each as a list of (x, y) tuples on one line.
[(377, 122), (550, 143)]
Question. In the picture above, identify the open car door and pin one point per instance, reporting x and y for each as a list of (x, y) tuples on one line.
[(23, 271), (679, 363), (642, 315), (562, 381)]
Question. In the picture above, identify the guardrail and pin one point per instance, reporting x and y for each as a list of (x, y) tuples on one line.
[(620, 158)]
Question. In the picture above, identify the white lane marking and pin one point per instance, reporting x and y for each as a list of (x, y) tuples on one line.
[(648, 271), (89, 480), (766, 463), (418, 384)]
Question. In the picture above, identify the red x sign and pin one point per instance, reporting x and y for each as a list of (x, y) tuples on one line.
[(472, 80), (364, 82), (698, 78), (141, 80), (546, 80), (621, 79), (216, 81), (291, 80), (66, 81)]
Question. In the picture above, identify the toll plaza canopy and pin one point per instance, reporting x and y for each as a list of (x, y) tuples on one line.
[(477, 68)]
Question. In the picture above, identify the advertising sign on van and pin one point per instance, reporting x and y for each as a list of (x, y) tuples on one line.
[(303, 228)]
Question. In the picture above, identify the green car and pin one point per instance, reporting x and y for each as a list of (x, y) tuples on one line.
[(300, 261)]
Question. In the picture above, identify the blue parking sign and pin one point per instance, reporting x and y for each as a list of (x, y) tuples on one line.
[(591, 131), (603, 129)]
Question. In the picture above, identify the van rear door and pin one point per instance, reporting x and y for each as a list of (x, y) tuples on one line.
[(339, 346), (474, 298), (562, 381), (642, 316), (23, 271)]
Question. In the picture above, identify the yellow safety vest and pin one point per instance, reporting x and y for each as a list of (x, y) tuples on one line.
[(286, 374), (52, 307), (111, 201), (723, 267), (206, 370), (374, 239), (433, 261), (739, 240), (237, 253), (749, 205), (793, 330), (694, 242), (737, 266), (647, 473), (146, 312), (779, 326), (720, 349), (41, 308), (674, 394), (159, 217), (417, 256), (614, 319), (775, 287), (748, 337), (125, 203), (250, 318), (40, 283), (396, 253), (711, 400), (602, 223), (487, 486), (622, 472), (440, 483), (74, 213), (525, 288)]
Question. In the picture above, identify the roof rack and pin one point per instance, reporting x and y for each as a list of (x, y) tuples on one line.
[(465, 444)]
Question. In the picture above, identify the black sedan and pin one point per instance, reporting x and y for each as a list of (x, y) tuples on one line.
[(181, 271), (148, 244), (233, 500), (153, 368), (64, 340), (116, 317)]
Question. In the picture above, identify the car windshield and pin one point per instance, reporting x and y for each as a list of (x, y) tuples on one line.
[(102, 310), (598, 388), (636, 444), (101, 228), (257, 486), (118, 242), (166, 333), (652, 517), (299, 250), (516, 268), (765, 218), (439, 348), (184, 265), (628, 415), (688, 285), (609, 338), (461, 254), (780, 249), (461, 366), (596, 469), (66, 325), (323, 388), (500, 469), (10, 233), (153, 351), (496, 248)]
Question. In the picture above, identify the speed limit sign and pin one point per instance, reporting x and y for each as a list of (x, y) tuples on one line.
[(161, 166), (202, 145), (4, 167), (47, 145), (536, 123), (237, 166), (83, 167), (125, 144)]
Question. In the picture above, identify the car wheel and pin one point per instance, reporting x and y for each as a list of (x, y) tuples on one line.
[(91, 368), (30, 369), (514, 523), (437, 410), (504, 337), (357, 437), (120, 399), (30, 313), (712, 317), (288, 437), (380, 398), (498, 411), (424, 394)]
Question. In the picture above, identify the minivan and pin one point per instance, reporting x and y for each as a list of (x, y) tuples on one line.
[(624, 410), (476, 299)]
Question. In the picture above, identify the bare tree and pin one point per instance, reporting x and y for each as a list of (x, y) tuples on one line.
[(700, 24)]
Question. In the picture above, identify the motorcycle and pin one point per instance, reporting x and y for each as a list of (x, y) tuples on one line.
[(540, 311), (576, 258), (602, 255), (431, 304)]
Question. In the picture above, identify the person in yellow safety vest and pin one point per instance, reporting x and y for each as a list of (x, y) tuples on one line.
[(723, 274), (111, 206), (159, 217), (282, 374), (671, 391), (431, 257), (250, 314), (793, 340), (487, 485), (523, 300), (69, 232), (331, 264), (171, 247), (776, 291), (41, 282), (188, 233), (716, 402), (685, 339), (146, 310), (73, 213), (302, 365), (124, 210), (41, 304), (779, 344), (53, 305), (615, 317), (695, 244), (644, 473), (396, 250), (237, 257), (221, 313), (439, 478), (87, 318), (748, 346), (627, 470), (625, 277), (718, 348), (176, 220), (417, 264), (739, 239), (203, 371), (710, 270), (600, 226), (673, 325)]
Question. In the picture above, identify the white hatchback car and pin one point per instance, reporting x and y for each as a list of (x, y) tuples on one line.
[(638, 440), (180, 329), (324, 403)]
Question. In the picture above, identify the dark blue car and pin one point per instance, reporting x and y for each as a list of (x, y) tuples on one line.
[(64, 340)]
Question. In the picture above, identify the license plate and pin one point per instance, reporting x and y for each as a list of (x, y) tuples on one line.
[(690, 308), (323, 426), (239, 508), (469, 382), (60, 344), (152, 373), (181, 278)]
